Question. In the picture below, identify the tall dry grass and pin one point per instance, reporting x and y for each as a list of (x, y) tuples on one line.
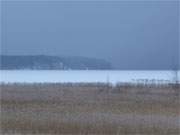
[(89, 109)]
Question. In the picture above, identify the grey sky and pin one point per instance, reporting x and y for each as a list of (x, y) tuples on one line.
[(131, 35)]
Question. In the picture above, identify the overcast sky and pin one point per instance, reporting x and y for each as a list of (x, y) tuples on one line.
[(130, 35)]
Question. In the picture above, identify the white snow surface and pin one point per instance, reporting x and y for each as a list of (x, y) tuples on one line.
[(86, 76)]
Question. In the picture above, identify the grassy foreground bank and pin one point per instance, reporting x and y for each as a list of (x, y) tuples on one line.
[(89, 109)]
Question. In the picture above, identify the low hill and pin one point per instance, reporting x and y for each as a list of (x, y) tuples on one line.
[(42, 62)]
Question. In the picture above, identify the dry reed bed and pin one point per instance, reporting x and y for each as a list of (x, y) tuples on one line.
[(89, 109)]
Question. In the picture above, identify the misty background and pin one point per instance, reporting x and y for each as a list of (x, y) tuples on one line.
[(130, 35)]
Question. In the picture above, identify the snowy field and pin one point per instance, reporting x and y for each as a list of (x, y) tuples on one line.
[(115, 76)]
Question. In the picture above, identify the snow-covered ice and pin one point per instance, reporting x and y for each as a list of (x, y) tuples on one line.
[(112, 76)]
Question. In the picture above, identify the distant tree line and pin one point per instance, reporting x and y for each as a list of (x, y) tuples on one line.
[(42, 62)]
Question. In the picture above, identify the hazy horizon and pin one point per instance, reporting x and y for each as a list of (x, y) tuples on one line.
[(130, 35)]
